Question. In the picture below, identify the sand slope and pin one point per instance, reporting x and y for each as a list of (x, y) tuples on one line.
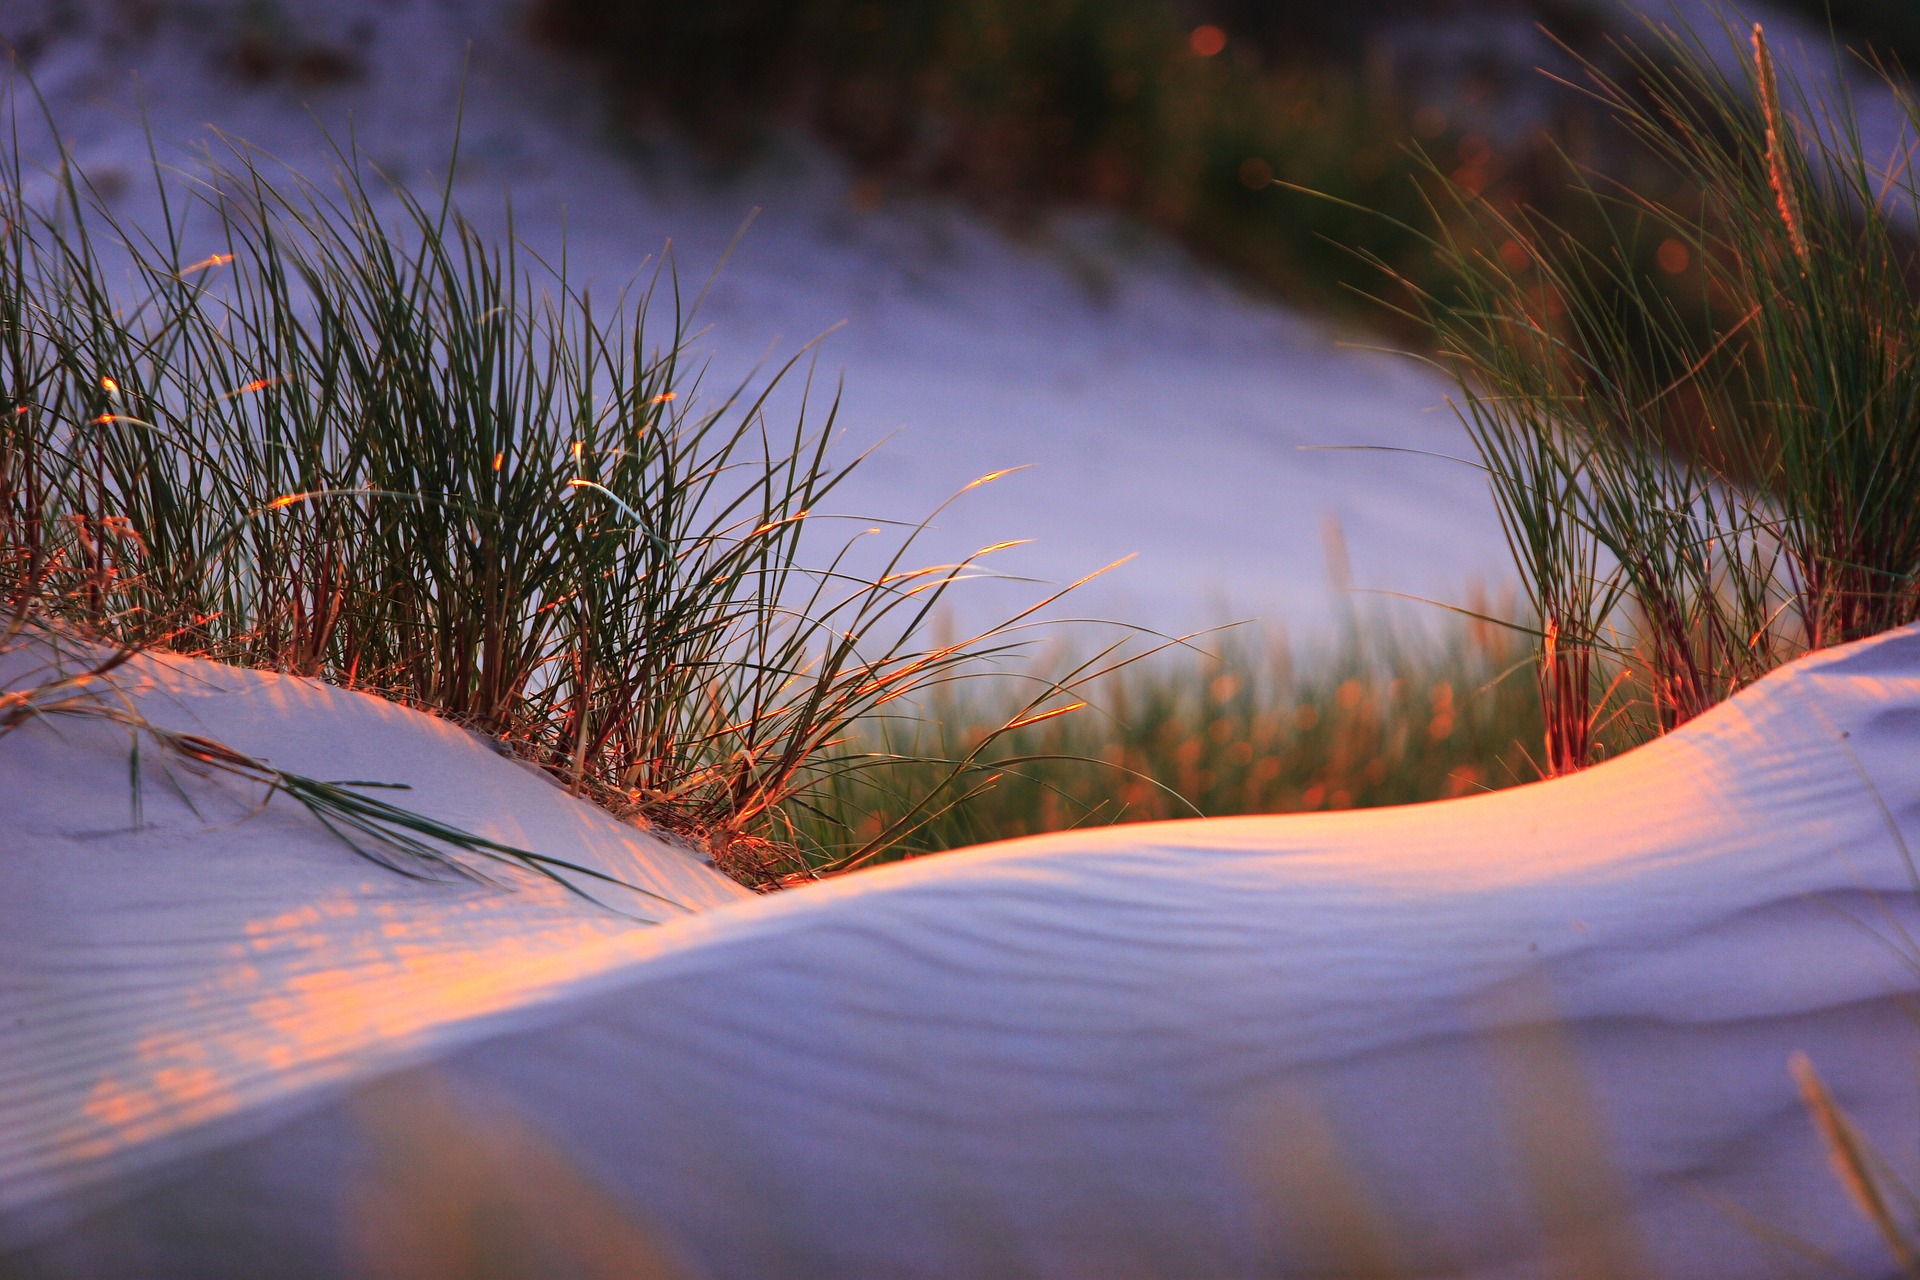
[(153, 979), (1087, 1054)]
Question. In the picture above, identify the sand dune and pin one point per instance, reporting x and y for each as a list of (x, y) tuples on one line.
[(1085, 1054)]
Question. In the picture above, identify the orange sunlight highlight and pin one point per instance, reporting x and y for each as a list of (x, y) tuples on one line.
[(1207, 40), (302, 995), (210, 261), (991, 476), (1039, 716), (1779, 175), (771, 525)]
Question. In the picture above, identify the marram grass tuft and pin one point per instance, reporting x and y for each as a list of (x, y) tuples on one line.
[(332, 429)]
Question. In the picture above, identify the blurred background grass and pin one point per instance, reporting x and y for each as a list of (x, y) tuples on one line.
[(1241, 721), (1891, 27), (1180, 113)]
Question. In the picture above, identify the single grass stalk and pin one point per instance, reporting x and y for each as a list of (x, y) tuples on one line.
[(1779, 168), (399, 839), (1857, 1167)]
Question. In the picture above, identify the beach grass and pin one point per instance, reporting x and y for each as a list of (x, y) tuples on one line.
[(1691, 506), (325, 426), (329, 428)]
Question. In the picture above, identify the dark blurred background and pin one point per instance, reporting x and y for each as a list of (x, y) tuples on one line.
[(1179, 112)]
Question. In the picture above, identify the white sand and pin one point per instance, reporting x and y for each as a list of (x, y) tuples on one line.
[(1079, 1051), (157, 978)]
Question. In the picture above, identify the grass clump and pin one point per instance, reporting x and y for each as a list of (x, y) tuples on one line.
[(1689, 508), (333, 430)]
